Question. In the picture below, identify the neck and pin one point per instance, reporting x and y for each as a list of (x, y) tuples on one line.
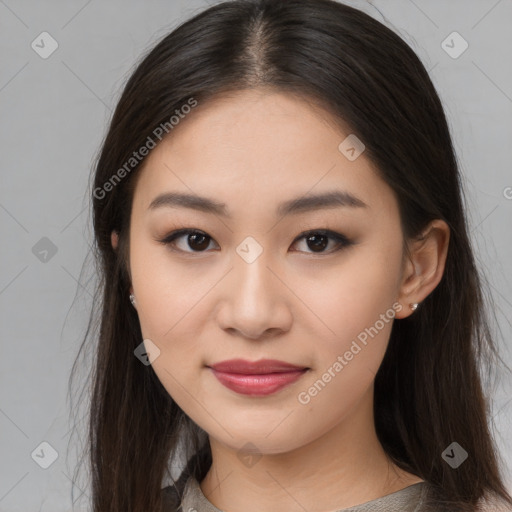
[(344, 467)]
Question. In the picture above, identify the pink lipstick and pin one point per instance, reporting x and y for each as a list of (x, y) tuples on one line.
[(256, 378)]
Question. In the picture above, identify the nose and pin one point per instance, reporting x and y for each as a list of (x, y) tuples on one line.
[(255, 301)]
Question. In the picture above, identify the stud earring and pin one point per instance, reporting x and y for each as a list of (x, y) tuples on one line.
[(132, 299), (413, 306)]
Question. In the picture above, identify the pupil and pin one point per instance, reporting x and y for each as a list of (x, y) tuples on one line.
[(320, 245), (201, 244)]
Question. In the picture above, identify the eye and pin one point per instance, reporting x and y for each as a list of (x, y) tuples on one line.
[(319, 239), (198, 241)]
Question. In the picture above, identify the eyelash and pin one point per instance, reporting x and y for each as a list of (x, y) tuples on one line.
[(342, 241)]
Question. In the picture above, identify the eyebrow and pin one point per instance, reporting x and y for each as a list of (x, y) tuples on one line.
[(332, 199)]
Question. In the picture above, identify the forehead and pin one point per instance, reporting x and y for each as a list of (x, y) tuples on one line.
[(257, 148)]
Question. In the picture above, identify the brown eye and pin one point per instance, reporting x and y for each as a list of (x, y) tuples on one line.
[(317, 241), (195, 240), (198, 241)]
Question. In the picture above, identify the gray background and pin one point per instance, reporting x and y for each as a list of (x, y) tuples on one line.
[(54, 115)]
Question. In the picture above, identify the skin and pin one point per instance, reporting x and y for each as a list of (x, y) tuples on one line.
[(252, 151)]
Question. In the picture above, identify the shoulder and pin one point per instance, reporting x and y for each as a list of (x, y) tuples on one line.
[(433, 503), (493, 504), (171, 501), (173, 495)]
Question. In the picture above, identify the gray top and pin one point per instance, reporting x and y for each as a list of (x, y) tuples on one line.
[(409, 499)]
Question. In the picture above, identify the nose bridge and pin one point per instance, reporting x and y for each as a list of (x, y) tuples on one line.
[(251, 273), (250, 304)]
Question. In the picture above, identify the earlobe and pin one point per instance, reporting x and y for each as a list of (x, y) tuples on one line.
[(114, 238), (425, 267)]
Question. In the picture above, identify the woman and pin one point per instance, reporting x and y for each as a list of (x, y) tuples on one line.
[(290, 300)]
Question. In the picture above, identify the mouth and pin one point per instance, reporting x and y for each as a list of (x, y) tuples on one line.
[(258, 378)]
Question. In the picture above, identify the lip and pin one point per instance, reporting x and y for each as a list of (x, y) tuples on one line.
[(259, 367), (256, 378)]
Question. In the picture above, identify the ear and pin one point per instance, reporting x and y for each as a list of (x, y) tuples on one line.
[(424, 268), (114, 238)]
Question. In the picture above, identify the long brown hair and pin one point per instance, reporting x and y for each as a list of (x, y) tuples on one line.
[(428, 390)]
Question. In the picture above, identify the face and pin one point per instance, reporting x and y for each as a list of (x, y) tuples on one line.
[(262, 279)]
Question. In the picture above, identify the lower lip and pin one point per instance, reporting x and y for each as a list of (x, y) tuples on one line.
[(257, 385)]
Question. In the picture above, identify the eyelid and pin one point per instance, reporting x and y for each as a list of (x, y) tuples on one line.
[(173, 235), (342, 241)]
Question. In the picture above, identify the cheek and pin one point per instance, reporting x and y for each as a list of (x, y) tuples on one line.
[(172, 306), (169, 293), (354, 311), (347, 361), (344, 300)]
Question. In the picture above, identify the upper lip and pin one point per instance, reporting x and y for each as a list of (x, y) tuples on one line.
[(262, 366)]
